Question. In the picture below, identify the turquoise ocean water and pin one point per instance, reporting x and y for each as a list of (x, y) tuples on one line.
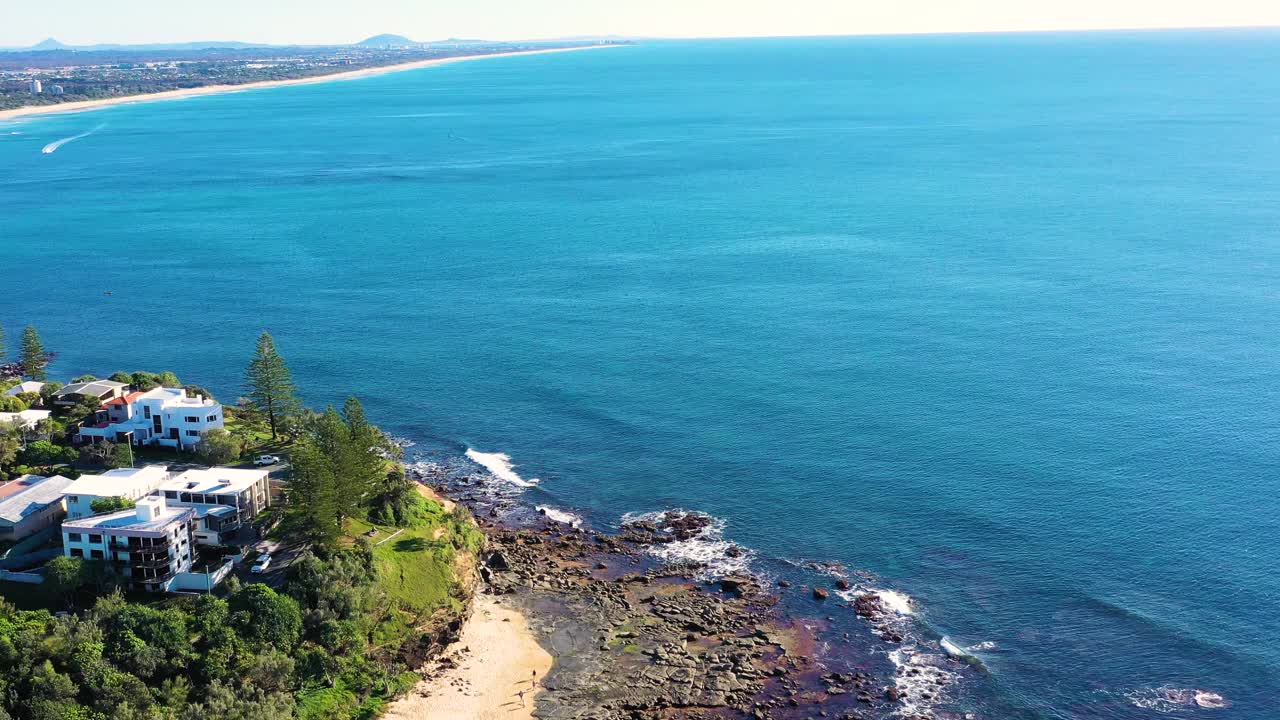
[(991, 317)]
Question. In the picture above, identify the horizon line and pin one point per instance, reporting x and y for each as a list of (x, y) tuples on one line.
[(584, 36)]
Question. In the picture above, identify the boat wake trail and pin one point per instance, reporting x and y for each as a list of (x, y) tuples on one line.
[(53, 146)]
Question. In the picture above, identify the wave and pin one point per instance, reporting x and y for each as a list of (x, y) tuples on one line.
[(716, 556), (1167, 698), (921, 679), (500, 466), (53, 146), (560, 516)]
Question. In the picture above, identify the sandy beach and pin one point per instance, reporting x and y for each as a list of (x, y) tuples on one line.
[(219, 89), (492, 663)]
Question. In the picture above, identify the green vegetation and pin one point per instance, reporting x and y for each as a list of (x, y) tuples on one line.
[(272, 393), (219, 447), (34, 357), (111, 504)]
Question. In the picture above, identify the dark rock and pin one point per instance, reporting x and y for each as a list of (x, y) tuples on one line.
[(842, 584), (498, 561), (892, 695), (819, 593)]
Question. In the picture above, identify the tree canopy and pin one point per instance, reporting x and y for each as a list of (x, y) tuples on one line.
[(271, 391), (34, 359)]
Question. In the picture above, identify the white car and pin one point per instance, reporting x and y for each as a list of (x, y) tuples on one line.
[(264, 562), (266, 460)]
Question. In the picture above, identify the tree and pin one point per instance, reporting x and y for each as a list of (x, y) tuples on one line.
[(260, 613), (43, 452), (10, 443), (271, 389), (64, 575), (218, 447), (84, 378), (34, 359), (2, 348), (111, 504), (313, 493)]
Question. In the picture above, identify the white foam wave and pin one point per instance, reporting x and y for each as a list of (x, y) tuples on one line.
[(896, 602), (921, 679), (560, 516), (1167, 699), (717, 556), (500, 466), (53, 146)]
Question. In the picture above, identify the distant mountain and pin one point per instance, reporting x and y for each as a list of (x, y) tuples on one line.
[(52, 44), (386, 40), (48, 44)]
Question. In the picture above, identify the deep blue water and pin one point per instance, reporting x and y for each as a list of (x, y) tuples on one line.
[(993, 317)]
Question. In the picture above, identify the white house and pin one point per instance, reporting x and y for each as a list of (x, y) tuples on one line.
[(28, 386), (147, 545), (163, 416), (225, 499), (128, 483), (30, 504), (25, 420)]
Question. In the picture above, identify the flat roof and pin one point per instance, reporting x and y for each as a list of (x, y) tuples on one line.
[(215, 480), (37, 494), (118, 482), (128, 520), (25, 417)]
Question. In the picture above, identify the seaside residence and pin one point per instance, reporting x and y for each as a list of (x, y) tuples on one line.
[(149, 545), (225, 500), (100, 390), (128, 483), (30, 504), (163, 416), (25, 420), (32, 386)]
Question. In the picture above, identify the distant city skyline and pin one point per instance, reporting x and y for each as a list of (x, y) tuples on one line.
[(85, 22)]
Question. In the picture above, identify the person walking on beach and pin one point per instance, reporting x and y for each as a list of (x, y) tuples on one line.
[(534, 682), (521, 694)]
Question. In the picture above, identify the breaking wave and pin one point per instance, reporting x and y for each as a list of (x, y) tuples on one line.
[(500, 466), (1166, 699), (560, 516), (53, 146), (717, 556)]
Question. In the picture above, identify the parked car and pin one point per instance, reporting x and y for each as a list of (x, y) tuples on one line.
[(266, 460), (264, 562)]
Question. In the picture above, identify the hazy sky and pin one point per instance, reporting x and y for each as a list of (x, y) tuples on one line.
[(24, 22)]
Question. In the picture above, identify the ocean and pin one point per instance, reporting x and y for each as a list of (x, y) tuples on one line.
[(992, 318)]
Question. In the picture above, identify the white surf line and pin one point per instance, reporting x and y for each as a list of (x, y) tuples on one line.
[(53, 146), (388, 539)]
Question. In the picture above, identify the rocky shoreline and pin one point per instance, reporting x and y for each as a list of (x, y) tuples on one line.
[(633, 638)]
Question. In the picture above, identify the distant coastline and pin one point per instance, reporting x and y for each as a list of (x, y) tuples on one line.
[(89, 105)]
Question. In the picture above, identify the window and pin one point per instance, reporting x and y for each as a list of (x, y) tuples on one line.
[(193, 433), (77, 552), (96, 554), (212, 418), (146, 411), (171, 494), (73, 537), (95, 538), (73, 499), (192, 419)]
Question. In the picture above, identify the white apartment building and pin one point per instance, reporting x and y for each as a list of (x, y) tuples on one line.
[(225, 499), (147, 545), (128, 483), (163, 416)]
